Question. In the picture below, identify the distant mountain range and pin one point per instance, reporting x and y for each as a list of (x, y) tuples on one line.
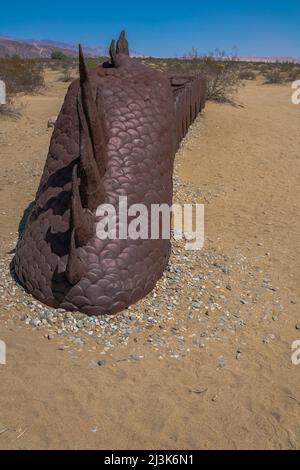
[(31, 48)]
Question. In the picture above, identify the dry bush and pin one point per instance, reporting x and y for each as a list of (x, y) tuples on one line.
[(293, 73), (246, 73), (280, 72), (20, 75), (286, 67), (54, 65), (264, 68), (273, 76), (66, 73), (62, 63), (223, 78), (59, 55), (222, 72), (9, 110), (69, 66), (94, 62)]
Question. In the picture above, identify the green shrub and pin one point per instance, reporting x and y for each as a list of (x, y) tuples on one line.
[(59, 55)]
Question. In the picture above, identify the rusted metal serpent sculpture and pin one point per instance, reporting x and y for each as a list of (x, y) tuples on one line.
[(116, 135)]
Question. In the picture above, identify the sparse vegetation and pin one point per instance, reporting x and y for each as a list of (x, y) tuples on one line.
[(93, 62), (66, 72), (59, 55), (273, 76), (278, 72), (223, 78), (222, 72), (247, 73), (293, 73), (225, 74), (20, 75)]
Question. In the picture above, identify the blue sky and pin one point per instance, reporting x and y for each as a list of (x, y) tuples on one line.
[(164, 28)]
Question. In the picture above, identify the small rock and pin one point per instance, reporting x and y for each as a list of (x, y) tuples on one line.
[(78, 341), (101, 363), (297, 326), (238, 355), (221, 361), (268, 338), (35, 322), (133, 357), (51, 121)]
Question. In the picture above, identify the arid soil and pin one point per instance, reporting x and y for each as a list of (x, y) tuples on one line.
[(204, 362)]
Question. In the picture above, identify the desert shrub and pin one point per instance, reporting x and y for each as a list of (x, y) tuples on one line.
[(93, 62), (293, 74), (54, 65), (20, 75), (285, 67), (66, 72), (264, 68), (221, 71), (62, 63), (69, 66), (8, 109), (247, 74), (273, 76), (223, 78), (59, 55)]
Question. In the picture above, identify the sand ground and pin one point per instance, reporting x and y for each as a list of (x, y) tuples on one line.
[(234, 391)]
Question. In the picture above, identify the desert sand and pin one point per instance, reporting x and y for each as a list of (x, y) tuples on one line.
[(212, 370)]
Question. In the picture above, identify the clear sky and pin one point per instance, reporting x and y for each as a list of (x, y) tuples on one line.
[(162, 27)]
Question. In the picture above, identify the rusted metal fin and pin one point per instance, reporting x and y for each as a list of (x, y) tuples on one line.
[(122, 44), (95, 117), (92, 142), (75, 267), (91, 186), (82, 220), (113, 54)]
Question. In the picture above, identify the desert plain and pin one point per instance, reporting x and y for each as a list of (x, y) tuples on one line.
[(205, 361)]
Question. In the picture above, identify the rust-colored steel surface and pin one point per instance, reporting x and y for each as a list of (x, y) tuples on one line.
[(116, 135), (189, 97)]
